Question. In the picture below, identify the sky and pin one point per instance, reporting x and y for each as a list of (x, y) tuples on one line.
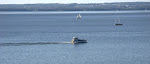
[(65, 1)]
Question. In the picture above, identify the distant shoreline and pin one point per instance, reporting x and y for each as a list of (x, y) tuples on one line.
[(125, 6), (74, 12), (68, 10)]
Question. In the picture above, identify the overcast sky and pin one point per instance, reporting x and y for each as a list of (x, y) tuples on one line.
[(65, 1)]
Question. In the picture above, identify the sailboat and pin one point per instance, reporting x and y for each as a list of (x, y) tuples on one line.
[(117, 21), (78, 16)]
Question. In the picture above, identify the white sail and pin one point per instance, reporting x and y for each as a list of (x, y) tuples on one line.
[(78, 16), (117, 21)]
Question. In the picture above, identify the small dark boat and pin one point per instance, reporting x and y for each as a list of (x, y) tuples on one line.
[(117, 22)]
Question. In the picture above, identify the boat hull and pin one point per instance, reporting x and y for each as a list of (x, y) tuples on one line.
[(117, 24), (76, 42)]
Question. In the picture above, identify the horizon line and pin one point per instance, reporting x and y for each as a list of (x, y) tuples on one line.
[(76, 3)]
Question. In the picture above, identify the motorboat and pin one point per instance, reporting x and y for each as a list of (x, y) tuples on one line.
[(76, 40)]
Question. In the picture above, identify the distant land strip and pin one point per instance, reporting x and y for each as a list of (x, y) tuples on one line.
[(77, 7)]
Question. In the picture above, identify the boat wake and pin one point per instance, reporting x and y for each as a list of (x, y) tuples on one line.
[(39, 43)]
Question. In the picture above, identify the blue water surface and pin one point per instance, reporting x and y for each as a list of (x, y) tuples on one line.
[(107, 44)]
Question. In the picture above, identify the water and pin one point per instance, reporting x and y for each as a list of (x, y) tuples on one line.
[(24, 37)]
